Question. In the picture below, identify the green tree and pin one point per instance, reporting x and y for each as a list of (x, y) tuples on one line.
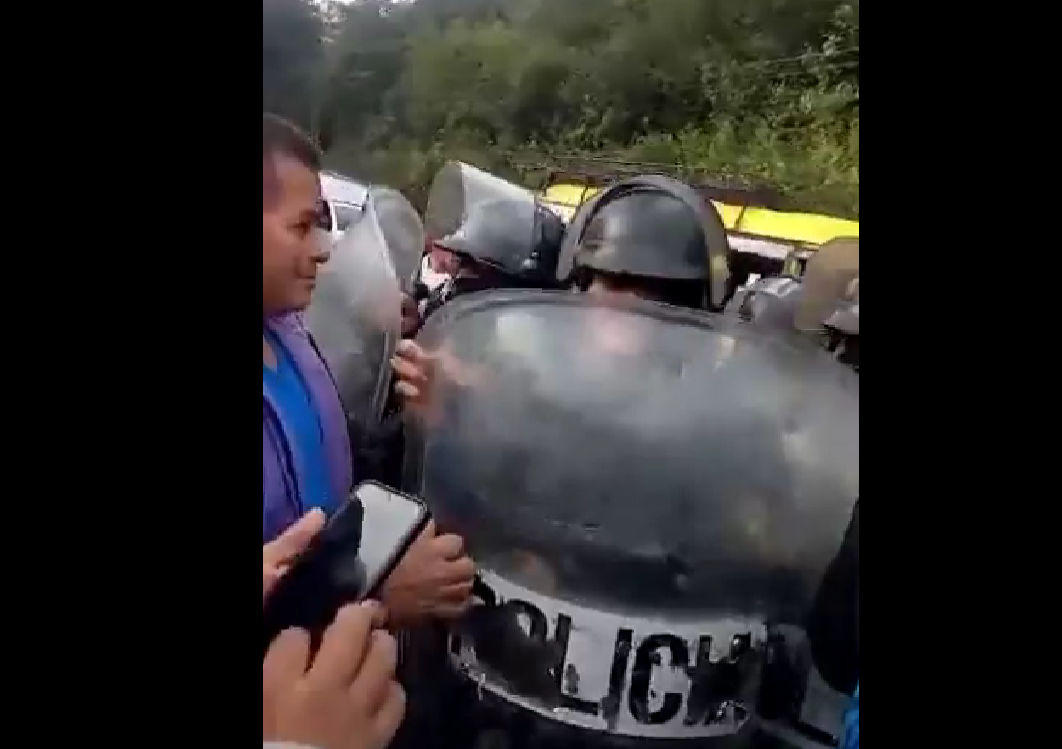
[(293, 64), (761, 91)]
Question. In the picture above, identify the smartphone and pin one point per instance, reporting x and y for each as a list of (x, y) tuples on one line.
[(346, 562), (393, 521)]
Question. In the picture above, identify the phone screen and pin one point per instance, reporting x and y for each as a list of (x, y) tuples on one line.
[(390, 520)]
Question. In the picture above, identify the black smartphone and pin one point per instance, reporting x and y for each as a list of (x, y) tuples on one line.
[(346, 562)]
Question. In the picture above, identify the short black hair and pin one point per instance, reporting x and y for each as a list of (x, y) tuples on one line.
[(283, 138)]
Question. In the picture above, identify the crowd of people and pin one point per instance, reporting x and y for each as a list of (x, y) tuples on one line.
[(346, 693)]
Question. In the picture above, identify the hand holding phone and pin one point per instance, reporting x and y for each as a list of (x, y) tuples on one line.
[(347, 561), (433, 578)]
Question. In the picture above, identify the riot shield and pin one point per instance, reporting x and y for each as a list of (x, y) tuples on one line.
[(476, 214), (826, 278), (648, 492), (715, 235), (403, 233), (355, 312)]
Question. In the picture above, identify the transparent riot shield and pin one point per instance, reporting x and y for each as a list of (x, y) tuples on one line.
[(481, 216), (403, 233), (355, 312), (827, 276), (647, 493)]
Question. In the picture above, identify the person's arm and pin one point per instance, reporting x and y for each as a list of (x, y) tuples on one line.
[(833, 623)]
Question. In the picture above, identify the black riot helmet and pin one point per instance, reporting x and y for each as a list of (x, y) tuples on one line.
[(522, 247), (494, 234), (645, 233), (494, 224), (653, 228)]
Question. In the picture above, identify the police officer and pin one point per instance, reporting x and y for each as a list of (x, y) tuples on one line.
[(770, 303), (502, 244), (652, 237), (789, 305), (535, 458)]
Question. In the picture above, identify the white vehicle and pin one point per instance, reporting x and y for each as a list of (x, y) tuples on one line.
[(344, 200)]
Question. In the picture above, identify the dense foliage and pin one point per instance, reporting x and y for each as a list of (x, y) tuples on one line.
[(761, 91)]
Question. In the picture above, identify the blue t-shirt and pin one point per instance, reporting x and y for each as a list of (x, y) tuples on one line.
[(850, 739), (300, 419)]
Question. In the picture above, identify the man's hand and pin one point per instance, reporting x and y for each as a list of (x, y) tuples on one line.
[(278, 554), (414, 371), (347, 698), (433, 578), (419, 375)]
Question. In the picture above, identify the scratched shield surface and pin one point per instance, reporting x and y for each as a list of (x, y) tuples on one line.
[(402, 230), (643, 491), (355, 311)]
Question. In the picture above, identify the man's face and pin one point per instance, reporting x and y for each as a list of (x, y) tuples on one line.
[(292, 246), (617, 287), (442, 261)]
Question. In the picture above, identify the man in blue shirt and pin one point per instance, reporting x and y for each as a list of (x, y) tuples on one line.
[(306, 460), (291, 398), (306, 453)]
